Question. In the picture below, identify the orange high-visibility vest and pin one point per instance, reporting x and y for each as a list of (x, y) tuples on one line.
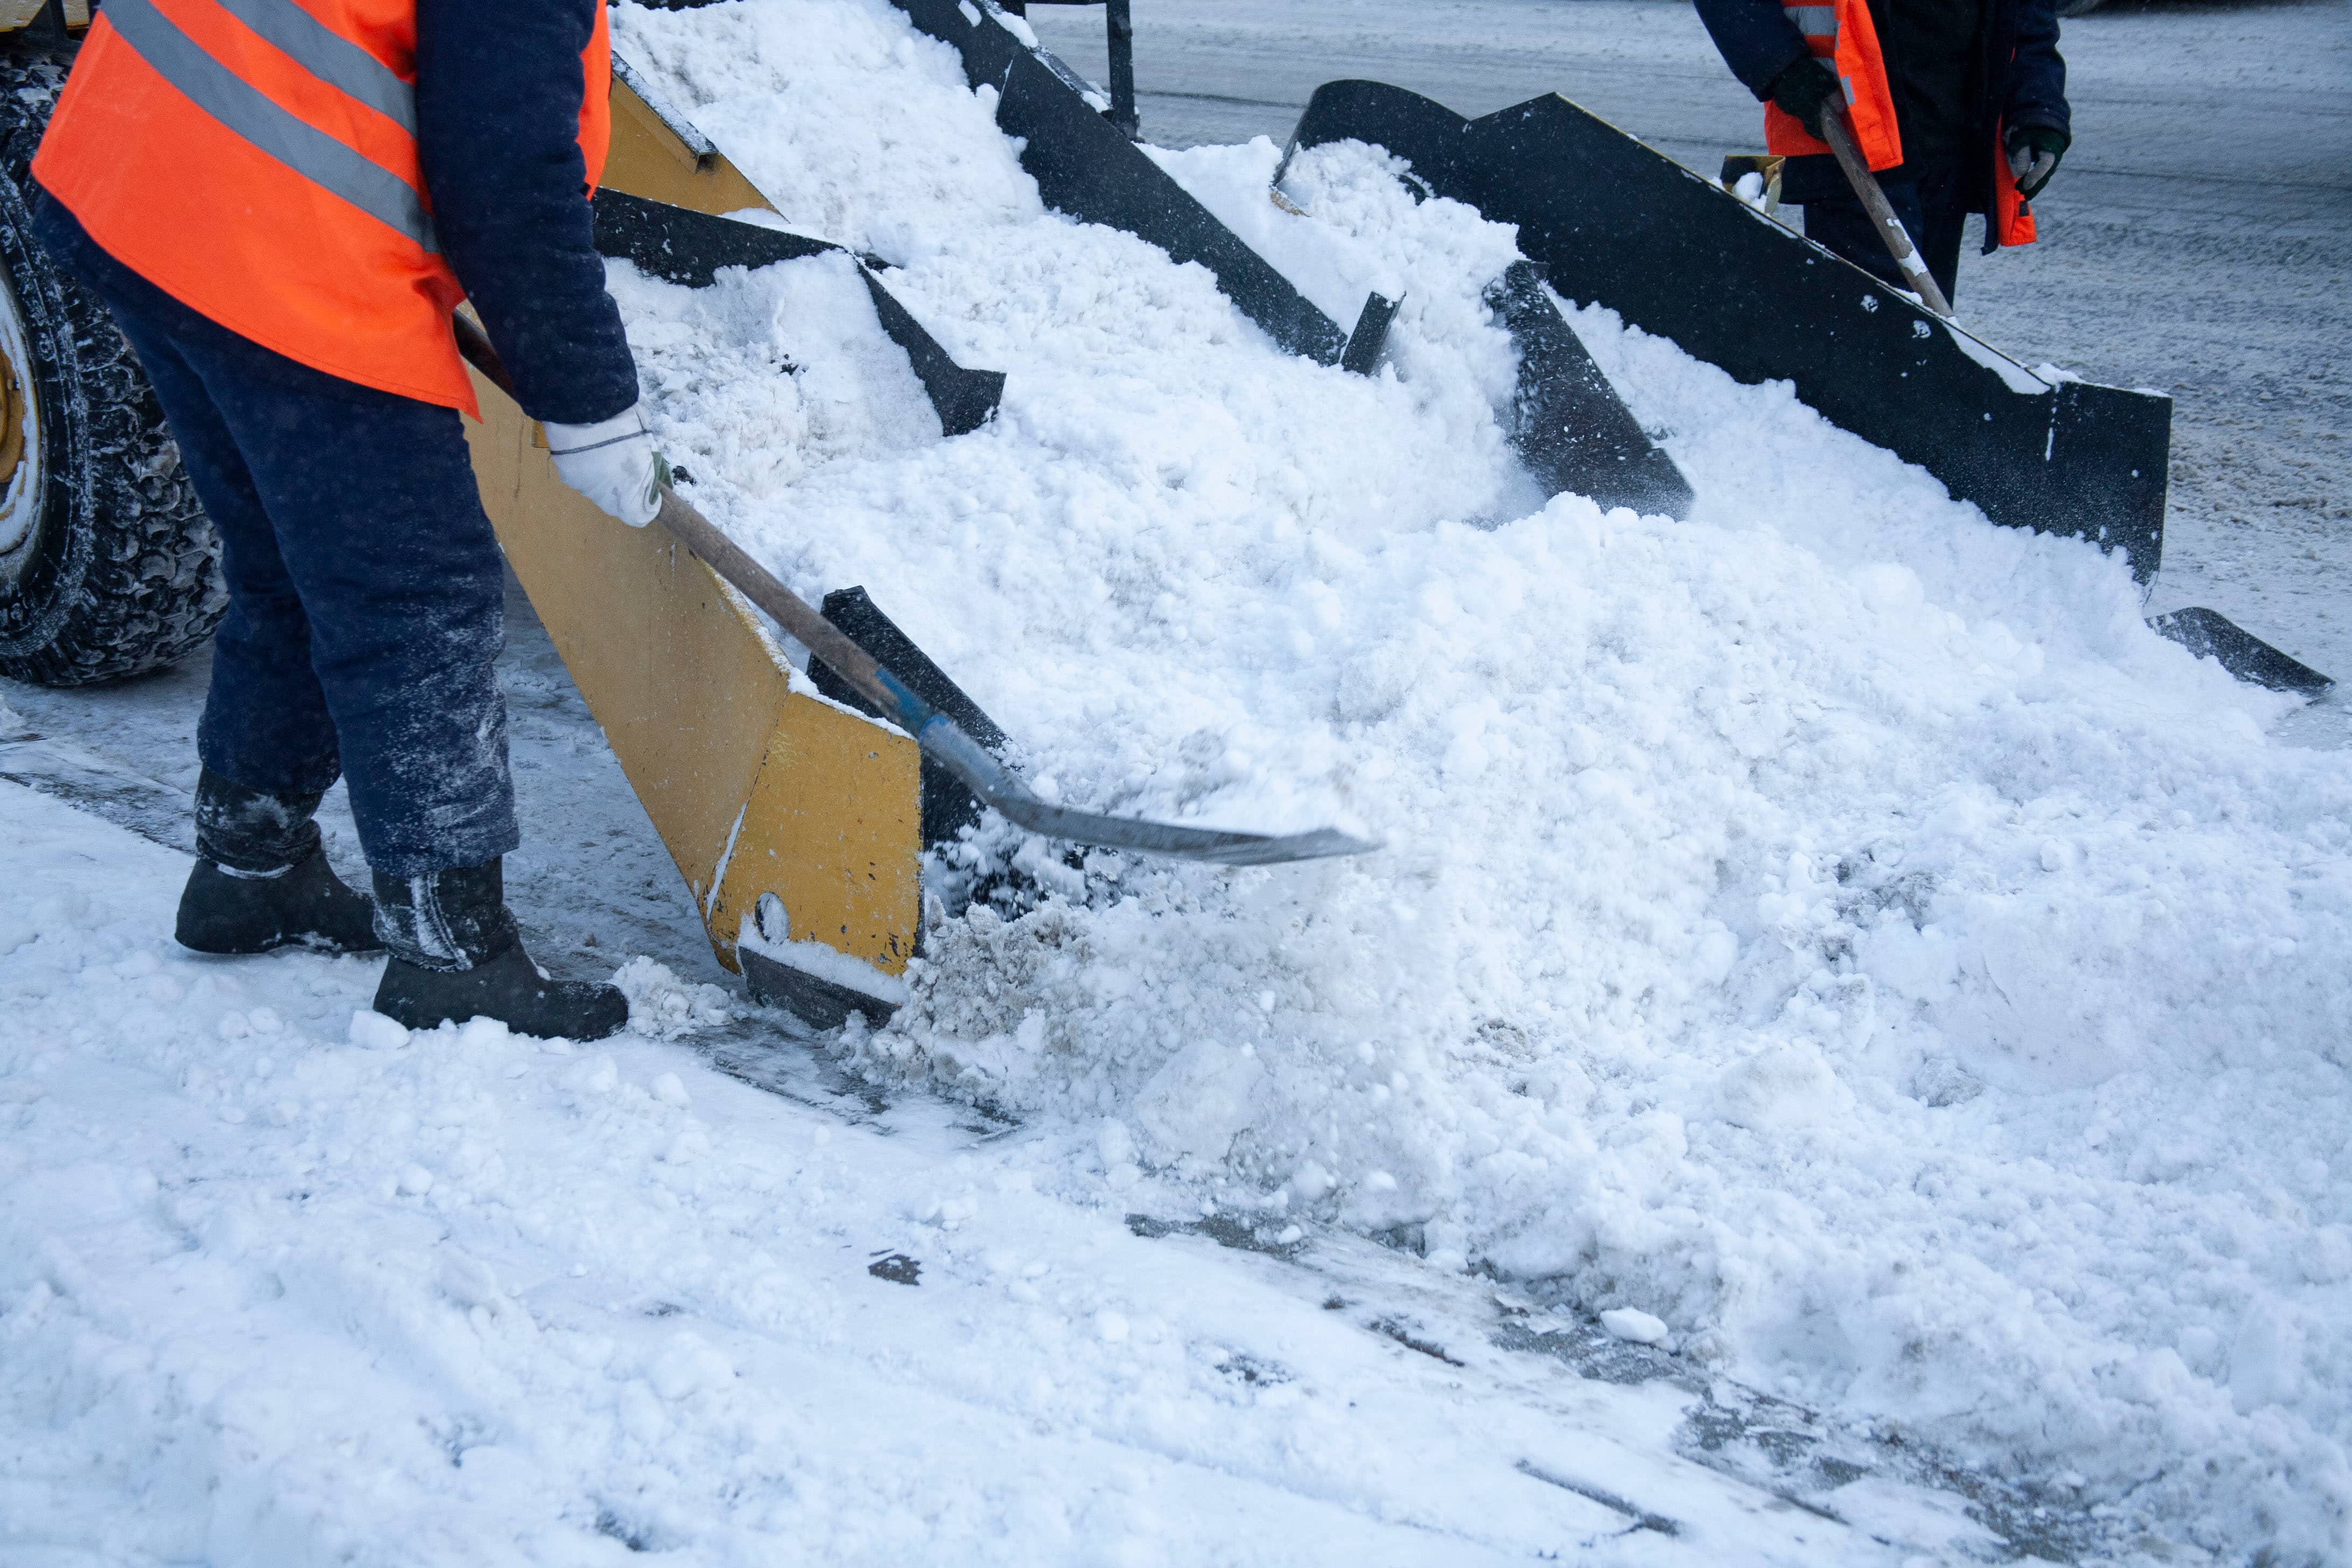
[(1841, 32), (257, 161), (2012, 219)]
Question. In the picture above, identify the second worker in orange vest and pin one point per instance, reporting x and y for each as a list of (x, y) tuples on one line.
[(282, 202), (1960, 106)]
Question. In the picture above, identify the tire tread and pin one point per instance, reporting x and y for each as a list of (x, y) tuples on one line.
[(149, 590)]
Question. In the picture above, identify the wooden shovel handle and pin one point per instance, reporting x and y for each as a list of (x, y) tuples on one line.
[(1835, 132)]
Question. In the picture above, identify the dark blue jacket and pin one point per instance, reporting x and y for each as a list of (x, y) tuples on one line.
[(498, 129), (499, 88), (2021, 79)]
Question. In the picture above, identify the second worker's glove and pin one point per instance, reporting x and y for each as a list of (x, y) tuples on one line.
[(2034, 155), (614, 463), (1803, 89)]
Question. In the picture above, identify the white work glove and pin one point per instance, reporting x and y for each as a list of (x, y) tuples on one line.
[(614, 463)]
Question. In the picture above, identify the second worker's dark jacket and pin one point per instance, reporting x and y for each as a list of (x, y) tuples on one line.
[(1951, 111)]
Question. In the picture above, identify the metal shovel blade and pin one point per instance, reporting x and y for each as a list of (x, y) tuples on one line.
[(996, 785)]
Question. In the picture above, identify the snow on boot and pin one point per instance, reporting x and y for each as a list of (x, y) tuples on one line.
[(262, 880), (456, 954)]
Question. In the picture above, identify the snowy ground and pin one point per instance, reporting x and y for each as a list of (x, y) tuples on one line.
[(1831, 937)]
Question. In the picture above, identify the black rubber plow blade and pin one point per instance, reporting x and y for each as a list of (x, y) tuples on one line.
[(2210, 634), (1566, 423), (1085, 166), (681, 246), (1614, 223)]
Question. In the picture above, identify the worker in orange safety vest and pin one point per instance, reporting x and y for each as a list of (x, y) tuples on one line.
[(1958, 106), (282, 202)]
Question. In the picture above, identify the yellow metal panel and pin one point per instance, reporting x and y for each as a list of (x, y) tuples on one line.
[(834, 828), (648, 160), (682, 683), (749, 784), (786, 792)]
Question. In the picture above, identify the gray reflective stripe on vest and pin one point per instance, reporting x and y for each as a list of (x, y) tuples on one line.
[(329, 56), (249, 112), (1814, 21)]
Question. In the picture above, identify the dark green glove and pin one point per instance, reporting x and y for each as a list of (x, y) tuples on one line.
[(1803, 89), (2034, 155)]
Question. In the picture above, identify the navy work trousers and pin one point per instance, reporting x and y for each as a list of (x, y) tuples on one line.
[(1933, 210), (367, 590)]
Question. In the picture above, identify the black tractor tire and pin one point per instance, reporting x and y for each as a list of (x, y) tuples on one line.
[(108, 565)]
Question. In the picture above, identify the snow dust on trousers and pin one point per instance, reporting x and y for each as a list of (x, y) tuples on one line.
[(367, 590)]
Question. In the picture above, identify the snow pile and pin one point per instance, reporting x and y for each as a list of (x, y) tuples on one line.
[(1832, 925)]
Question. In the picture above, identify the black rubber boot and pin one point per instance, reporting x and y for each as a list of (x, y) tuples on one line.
[(456, 954), (262, 880)]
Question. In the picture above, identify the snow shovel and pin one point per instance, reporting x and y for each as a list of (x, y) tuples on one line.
[(940, 737), (1874, 200)]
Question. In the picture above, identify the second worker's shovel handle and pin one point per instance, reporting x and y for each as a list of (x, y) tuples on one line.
[(1874, 200)]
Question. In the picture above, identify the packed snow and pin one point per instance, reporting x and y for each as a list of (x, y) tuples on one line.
[(1829, 938)]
